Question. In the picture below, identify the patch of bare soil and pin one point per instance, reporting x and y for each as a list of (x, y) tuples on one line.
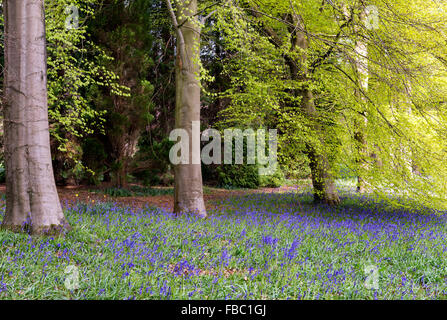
[(212, 196)]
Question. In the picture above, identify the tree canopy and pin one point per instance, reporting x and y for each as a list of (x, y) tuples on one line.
[(355, 88)]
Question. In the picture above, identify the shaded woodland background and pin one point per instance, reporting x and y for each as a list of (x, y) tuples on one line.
[(112, 89), (105, 130)]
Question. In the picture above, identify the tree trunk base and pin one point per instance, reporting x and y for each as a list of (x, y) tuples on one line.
[(331, 199), (54, 230), (194, 206), (360, 185)]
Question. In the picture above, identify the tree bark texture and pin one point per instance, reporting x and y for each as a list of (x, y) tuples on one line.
[(188, 189), (32, 201), (322, 180)]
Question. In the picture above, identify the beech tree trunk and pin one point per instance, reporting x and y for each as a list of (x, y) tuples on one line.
[(361, 70), (188, 189), (324, 189), (360, 138), (323, 182), (32, 202)]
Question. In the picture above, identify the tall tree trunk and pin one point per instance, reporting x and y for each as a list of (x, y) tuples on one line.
[(121, 175), (124, 149), (32, 201), (323, 183), (188, 195), (361, 146), (360, 123), (321, 168)]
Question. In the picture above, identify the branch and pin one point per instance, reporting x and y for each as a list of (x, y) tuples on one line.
[(181, 39), (390, 125), (326, 55), (208, 16), (273, 36)]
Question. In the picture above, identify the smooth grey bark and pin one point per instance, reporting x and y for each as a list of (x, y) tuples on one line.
[(188, 189), (32, 201)]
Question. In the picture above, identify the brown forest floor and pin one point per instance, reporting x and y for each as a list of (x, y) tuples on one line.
[(72, 194)]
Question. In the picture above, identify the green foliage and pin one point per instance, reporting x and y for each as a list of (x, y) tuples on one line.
[(238, 176), (401, 112), (149, 177), (2, 173), (275, 180), (247, 176), (117, 192), (94, 158), (145, 191), (121, 30), (75, 63), (156, 155)]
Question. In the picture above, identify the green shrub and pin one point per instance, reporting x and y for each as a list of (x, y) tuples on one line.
[(296, 166), (117, 192), (150, 177), (247, 176), (238, 176), (274, 181), (157, 153)]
